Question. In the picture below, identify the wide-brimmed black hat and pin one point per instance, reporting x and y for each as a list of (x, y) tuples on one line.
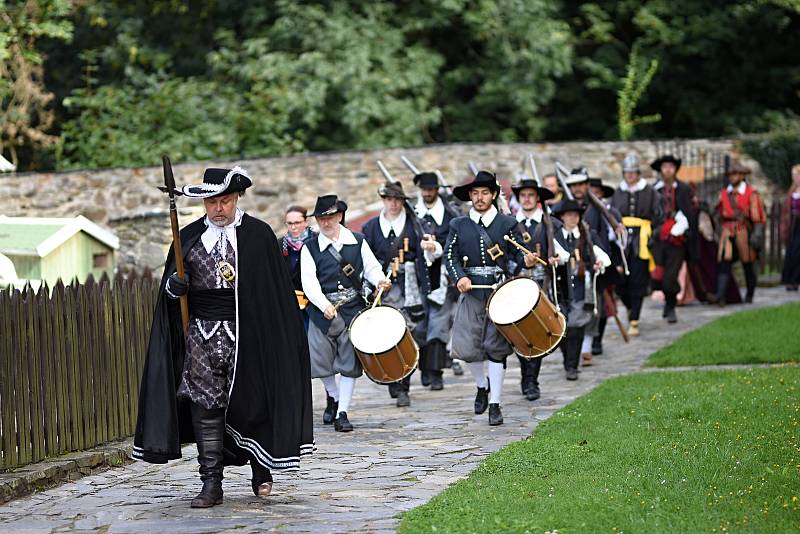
[(482, 179), (426, 179), (392, 190), (598, 182), (527, 183), (328, 205), (218, 182), (668, 158), (565, 206)]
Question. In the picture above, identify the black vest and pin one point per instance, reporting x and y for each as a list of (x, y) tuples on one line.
[(330, 276)]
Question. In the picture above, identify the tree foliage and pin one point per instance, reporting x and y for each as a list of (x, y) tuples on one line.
[(123, 81)]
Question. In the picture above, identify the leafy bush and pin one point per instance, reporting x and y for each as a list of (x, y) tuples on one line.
[(777, 150)]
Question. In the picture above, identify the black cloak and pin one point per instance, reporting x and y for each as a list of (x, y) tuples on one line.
[(269, 415)]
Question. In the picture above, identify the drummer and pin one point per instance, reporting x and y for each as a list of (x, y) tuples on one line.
[(333, 267), (396, 237), (534, 237), (577, 293), (477, 254)]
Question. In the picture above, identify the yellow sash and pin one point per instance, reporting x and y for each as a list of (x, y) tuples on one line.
[(645, 231)]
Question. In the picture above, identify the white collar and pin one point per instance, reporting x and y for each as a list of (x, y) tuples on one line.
[(397, 225), (638, 187), (536, 216), (576, 233), (214, 232), (741, 188), (346, 237), (436, 211), (660, 184), (487, 217)]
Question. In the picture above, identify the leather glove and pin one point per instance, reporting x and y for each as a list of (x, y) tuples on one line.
[(178, 286)]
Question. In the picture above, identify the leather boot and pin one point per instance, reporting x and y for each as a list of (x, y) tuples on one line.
[(261, 481), (722, 287), (481, 400), (394, 389), (437, 383), (331, 408), (209, 431), (495, 415)]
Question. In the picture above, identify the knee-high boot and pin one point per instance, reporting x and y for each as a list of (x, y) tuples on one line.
[(722, 287), (209, 431)]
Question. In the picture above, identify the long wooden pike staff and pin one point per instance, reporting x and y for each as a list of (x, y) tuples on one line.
[(169, 189)]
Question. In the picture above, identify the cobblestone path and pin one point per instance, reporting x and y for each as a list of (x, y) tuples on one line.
[(395, 460)]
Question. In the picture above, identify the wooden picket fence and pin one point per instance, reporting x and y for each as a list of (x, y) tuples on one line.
[(70, 365)]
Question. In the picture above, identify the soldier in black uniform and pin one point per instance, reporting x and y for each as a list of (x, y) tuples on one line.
[(640, 207), (396, 238), (477, 254), (333, 267), (435, 215), (530, 216)]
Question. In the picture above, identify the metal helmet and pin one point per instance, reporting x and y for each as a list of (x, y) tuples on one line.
[(631, 163)]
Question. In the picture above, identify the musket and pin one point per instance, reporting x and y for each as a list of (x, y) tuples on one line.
[(169, 189), (611, 306), (622, 237), (548, 225)]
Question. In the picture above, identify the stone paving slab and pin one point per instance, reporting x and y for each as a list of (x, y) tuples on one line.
[(395, 459)]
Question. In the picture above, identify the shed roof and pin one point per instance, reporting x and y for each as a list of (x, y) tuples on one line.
[(42, 235)]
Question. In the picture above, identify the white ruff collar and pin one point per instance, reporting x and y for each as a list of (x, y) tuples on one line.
[(436, 212), (213, 232), (397, 225), (638, 187), (740, 189), (487, 217)]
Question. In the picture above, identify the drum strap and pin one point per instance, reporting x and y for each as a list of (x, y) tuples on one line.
[(487, 240), (347, 269)]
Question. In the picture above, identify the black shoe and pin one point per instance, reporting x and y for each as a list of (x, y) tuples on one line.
[(394, 389), (330, 411), (532, 393), (457, 369), (481, 400), (495, 415), (748, 299), (792, 288), (210, 495), (597, 346), (261, 481), (341, 424), (572, 374), (670, 315), (425, 378), (403, 399), (437, 384)]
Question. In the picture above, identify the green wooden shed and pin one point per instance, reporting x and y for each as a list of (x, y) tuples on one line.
[(51, 248)]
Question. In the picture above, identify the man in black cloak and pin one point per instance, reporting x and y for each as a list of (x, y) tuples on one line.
[(238, 384)]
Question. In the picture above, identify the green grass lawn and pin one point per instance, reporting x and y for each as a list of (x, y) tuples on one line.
[(766, 335), (697, 451)]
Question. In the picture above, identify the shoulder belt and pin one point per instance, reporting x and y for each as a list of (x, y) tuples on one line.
[(347, 269)]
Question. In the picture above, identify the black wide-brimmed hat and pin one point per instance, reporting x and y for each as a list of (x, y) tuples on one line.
[(668, 158), (392, 190), (218, 182), (598, 182), (328, 205), (426, 179), (526, 183), (567, 205), (482, 179)]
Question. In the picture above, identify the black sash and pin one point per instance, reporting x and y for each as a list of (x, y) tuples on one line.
[(213, 304), (347, 269)]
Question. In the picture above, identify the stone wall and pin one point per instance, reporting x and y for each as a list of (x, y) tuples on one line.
[(127, 201)]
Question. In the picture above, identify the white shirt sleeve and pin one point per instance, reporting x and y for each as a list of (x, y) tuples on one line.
[(373, 272), (601, 255), (680, 226), (563, 255), (308, 276), (431, 257)]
